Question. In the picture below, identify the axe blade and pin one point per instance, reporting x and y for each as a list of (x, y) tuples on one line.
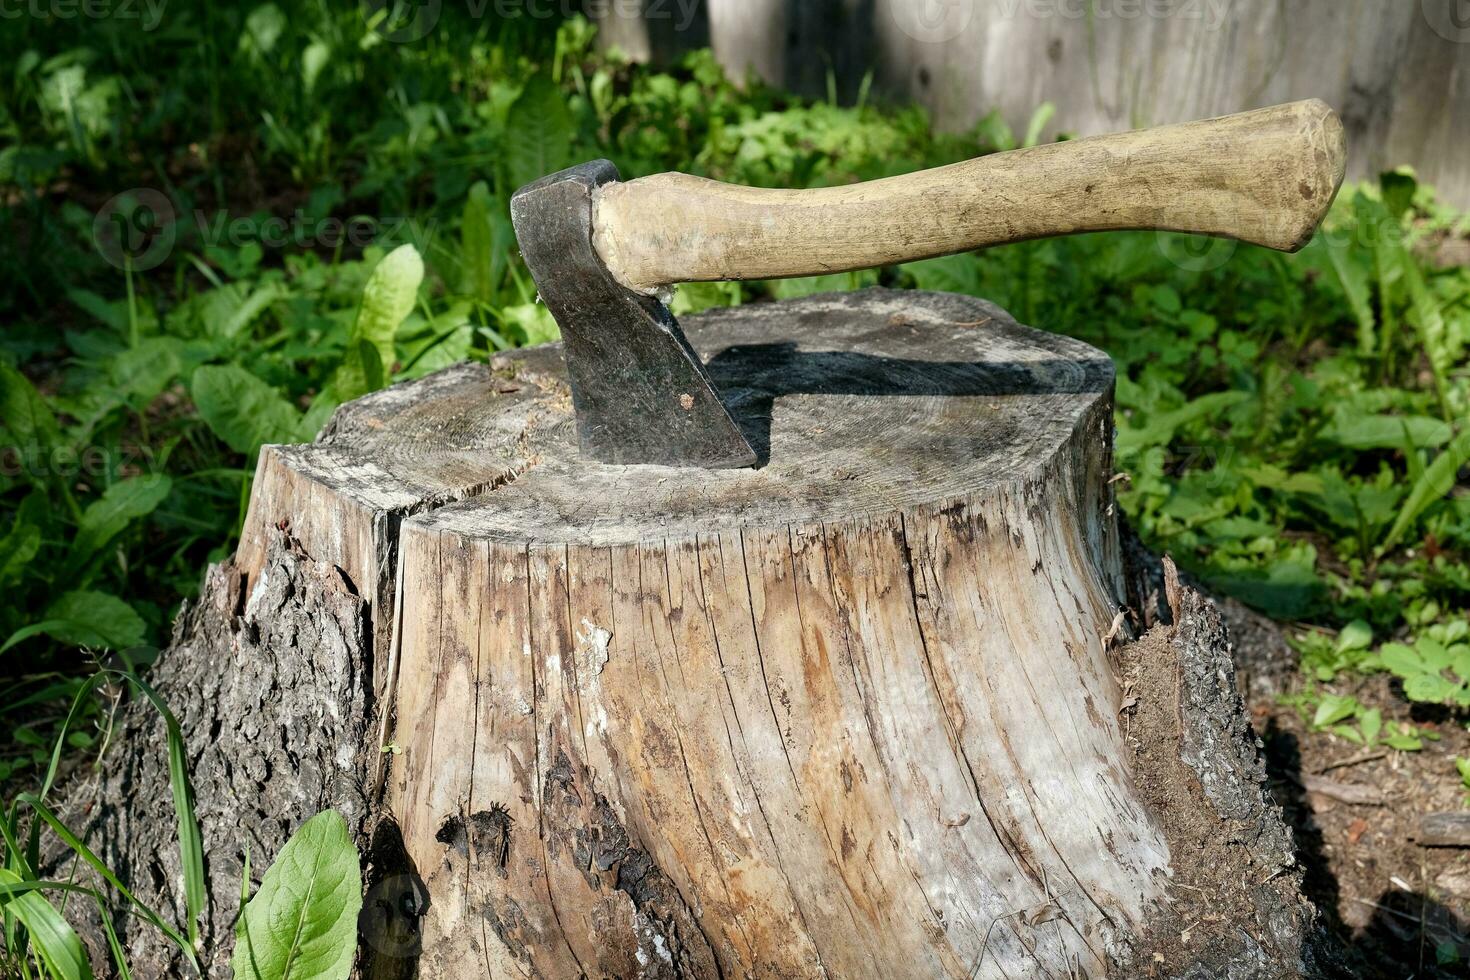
[(641, 393)]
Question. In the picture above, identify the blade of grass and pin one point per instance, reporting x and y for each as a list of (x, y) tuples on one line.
[(76, 706), (119, 958), (1437, 480), (51, 937), (75, 843), (191, 848)]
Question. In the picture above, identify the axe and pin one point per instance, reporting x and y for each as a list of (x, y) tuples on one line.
[(604, 253)]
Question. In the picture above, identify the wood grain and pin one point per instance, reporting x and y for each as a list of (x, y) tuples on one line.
[(1266, 177), (837, 716)]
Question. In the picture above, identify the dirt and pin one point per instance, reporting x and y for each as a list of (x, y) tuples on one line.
[(1395, 908)]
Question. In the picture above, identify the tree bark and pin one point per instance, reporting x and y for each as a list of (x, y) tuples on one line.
[(860, 711)]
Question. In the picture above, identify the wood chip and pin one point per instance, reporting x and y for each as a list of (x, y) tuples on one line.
[(1356, 830), (1354, 793), (1450, 829)]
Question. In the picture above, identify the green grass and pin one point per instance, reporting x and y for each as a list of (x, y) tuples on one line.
[(198, 224)]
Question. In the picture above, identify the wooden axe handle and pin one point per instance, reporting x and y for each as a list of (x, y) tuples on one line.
[(1266, 177)]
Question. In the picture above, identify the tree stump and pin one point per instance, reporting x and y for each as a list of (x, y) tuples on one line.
[(857, 712)]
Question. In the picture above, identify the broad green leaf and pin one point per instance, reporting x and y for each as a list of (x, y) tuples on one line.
[(1433, 653), (49, 934), (1401, 660), (93, 619), (263, 28), (387, 300), (1429, 688), (533, 321), (952, 274), (244, 411), (1356, 635), (226, 312), (24, 414), (441, 350), (303, 921), (485, 238), (1361, 430), (1438, 480), (1434, 336), (1353, 279), (1160, 428), (17, 549), (109, 515), (1333, 709), (1462, 766), (140, 373), (1398, 188), (313, 60), (538, 132)]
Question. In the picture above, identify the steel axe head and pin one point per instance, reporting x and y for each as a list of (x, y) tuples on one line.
[(641, 393)]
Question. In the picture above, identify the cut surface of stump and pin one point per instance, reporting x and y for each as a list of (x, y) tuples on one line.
[(850, 713)]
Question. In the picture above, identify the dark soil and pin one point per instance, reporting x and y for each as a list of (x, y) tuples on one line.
[(1398, 910)]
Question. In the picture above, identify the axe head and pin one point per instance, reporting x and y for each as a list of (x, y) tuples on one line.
[(641, 393)]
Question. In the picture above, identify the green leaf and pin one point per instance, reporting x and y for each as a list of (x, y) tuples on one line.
[(50, 936), (1333, 709), (1401, 660), (538, 132), (303, 920), (90, 619), (1039, 119), (1437, 481), (387, 300), (1371, 722), (24, 413), (1353, 279), (1433, 653), (244, 411), (485, 241), (1462, 765), (1429, 688), (140, 373), (532, 321), (109, 515), (17, 549), (1360, 430), (1356, 635), (94, 619), (1398, 189), (313, 60), (835, 282)]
